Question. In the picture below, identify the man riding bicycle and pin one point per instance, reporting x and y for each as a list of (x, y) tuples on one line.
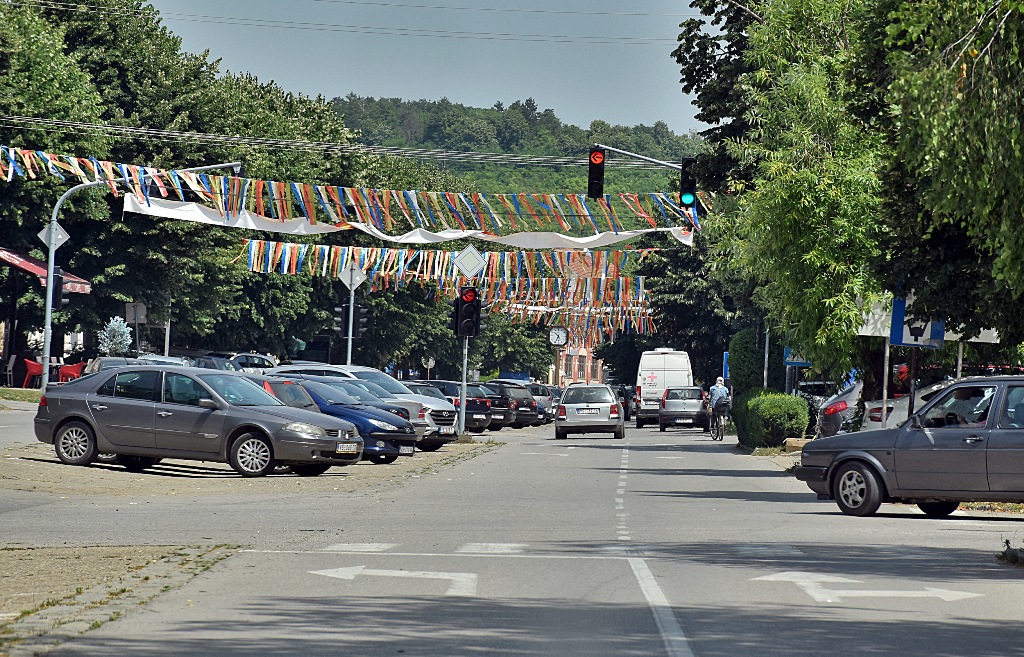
[(719, 403)]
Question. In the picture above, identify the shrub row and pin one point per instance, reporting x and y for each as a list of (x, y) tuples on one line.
[(766, 419)]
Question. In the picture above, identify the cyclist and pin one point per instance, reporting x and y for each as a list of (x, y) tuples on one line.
[(719, 403)]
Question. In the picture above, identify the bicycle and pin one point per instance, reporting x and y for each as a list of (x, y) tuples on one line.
[(718, 420)]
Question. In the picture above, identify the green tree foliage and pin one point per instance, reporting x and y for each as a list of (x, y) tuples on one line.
[(622, 357), (38, 80), (808, 227), (520, 128)]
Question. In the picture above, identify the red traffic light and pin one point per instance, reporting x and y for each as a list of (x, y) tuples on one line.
[(468, 294), (597, 157)]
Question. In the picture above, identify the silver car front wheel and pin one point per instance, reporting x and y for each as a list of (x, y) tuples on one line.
[(252, 455), (857, 489)]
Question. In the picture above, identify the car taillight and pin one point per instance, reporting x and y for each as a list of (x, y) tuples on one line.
[(638, 394), (42, 400), (423, 414), (488, 402), (664, 398), (875, 413), (456, 401), (561, 412), (266, 386), (837, 407), (613, 413)]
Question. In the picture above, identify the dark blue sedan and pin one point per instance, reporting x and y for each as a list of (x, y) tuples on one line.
[(385, 435)]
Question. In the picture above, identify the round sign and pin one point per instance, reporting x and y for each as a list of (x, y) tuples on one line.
[(469, 294), (428, 362), (597, 157)]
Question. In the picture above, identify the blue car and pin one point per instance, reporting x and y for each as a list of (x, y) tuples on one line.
[(385, 435)]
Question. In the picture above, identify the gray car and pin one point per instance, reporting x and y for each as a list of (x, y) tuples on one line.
[(144, 413), (966, 444), (683, 407), (589, 408)]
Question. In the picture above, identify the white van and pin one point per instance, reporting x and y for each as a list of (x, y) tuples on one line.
[(659, 369)]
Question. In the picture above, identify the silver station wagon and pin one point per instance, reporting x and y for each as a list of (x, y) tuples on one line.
[(590, 408), (965, 445), (146, 413)]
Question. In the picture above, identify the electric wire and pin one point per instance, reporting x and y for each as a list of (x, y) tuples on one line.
[(468, 157), (356, 29)]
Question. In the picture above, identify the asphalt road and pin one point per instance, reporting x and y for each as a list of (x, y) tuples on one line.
[(659, 544), (16, 423)]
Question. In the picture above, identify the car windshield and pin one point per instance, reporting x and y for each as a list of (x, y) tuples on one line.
[(476, 391), (330, 394), (292, 394), (582, 395), (357, 391), (384, 381), (427, 391), (372, 388), (239, 391), (221, 364)]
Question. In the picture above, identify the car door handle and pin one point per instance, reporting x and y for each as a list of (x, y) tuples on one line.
[(973, 439), (164, 413), (99, 407)]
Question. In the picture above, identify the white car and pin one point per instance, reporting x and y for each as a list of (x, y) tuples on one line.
[(896, 409)]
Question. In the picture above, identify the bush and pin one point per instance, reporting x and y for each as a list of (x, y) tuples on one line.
[(767, 419)]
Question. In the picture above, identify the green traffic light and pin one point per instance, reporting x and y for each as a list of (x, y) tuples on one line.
[(688, 198)]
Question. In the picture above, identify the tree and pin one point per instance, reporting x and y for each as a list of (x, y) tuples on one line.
[(808, 226), (115, 338)]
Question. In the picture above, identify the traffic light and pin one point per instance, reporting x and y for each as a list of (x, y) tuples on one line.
[(453, 316), (595, 177), (687, 183), (339, 317), (359, 321), (58, 295), (469, 312)]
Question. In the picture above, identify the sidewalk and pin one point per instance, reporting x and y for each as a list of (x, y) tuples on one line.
[(18, 405)]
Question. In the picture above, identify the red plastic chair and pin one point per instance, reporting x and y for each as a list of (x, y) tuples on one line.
[(33, 370), (71, 372)]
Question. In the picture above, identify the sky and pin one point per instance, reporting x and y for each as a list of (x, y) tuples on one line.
[(587, 60)]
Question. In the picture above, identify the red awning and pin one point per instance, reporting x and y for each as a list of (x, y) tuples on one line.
[(35, 266)]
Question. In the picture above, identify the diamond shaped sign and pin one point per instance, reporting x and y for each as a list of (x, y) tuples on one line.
[(353, 276), (469, 262), (59, 235)]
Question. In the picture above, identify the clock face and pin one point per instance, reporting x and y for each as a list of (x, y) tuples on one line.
[(558, 336)]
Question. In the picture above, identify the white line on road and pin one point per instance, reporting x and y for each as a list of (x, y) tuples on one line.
[(360, 547), (492, 548), (676, 644), (811, 584), (462, 584)]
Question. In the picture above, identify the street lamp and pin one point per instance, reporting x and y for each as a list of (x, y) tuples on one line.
[(51, 243)]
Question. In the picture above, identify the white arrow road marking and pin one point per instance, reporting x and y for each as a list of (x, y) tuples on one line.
[(461, 583), (811, 583)]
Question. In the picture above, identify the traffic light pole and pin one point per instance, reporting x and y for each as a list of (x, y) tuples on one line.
[(351, 316), (462, 393), (51, 242)]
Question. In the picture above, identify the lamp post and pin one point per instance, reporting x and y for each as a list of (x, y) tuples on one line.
[(51, 243)]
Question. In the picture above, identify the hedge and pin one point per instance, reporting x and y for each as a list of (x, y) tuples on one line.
[(766, 419)]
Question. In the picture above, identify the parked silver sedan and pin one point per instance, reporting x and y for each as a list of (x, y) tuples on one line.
[(144, 413), (590, 408)]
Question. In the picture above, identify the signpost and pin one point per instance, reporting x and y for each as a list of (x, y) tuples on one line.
[(352, 277), (470, 263)]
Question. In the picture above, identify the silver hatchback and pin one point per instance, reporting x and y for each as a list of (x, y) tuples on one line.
[(683, 407), (590, 408)]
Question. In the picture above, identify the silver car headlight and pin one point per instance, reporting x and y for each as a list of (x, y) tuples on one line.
[(308, 429), (381, 424)]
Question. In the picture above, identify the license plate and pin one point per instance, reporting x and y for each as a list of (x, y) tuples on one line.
[(479, 417), (650, 403), (524, 409), (684, 420), (405, 449), (347, 448), (499, 416), (586, 411), (446, 429)]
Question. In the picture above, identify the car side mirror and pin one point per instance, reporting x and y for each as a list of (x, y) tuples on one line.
[(208, 404), (915, 422)]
